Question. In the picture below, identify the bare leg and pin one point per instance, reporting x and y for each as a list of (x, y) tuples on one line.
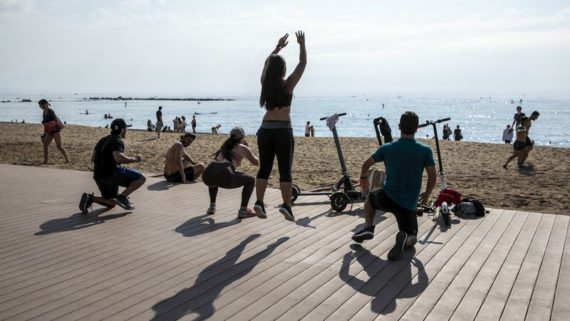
[(513, 156), (286, 192), (103, 201), (198, 170), (368, 213), (57, 137), (260, 187), (134, 186), (47, 141)]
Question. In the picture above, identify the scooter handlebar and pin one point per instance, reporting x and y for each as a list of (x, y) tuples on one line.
[(341, 114), (429, 122), (444, 119)]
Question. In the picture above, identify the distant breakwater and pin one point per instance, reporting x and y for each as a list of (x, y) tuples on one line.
[(158, 98)]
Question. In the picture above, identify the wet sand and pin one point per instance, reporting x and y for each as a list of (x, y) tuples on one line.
[(474, 169)]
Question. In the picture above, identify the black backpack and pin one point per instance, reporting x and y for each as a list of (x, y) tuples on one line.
[(471, 207)]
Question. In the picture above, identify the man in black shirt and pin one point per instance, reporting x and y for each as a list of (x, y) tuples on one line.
[(108, 173)]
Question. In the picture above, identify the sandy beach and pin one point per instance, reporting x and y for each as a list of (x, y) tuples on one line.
[(474, 169)]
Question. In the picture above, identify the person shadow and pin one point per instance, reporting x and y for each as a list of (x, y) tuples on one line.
[(203, 224), (78, 221), (160, 186), (387, 281), (211, 281)]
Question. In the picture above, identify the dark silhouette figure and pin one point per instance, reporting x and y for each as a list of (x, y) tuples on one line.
[(202, 224), (77, 221), (212, 280), (388, 280)]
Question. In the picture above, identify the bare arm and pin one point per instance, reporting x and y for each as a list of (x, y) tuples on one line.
[(121, 158), (364, 172), (250, 157), (298, 72), (281, 43), (432, 179)]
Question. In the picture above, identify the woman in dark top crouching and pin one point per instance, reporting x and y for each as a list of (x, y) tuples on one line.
[(275, 136), (52, 129)]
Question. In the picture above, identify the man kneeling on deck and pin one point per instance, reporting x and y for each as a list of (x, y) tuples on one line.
[(179, 167), (108, 172), (405, 160)]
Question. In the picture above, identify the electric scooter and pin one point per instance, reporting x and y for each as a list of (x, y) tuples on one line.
[(446, 197)]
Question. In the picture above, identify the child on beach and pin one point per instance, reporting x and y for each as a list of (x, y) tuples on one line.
[(52, 130), (275, 135), (221, 172)]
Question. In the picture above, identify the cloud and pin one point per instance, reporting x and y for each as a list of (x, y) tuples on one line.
[(11, 6)]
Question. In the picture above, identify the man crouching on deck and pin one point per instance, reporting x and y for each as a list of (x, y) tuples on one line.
[(179, 167), (405, 160)]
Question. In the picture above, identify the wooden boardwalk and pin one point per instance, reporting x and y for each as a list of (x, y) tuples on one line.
[(167, 260)]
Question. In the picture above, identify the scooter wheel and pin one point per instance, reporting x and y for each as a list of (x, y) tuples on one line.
[(339, 201), (295, 193)]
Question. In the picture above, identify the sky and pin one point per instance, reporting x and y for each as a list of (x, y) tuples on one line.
[(216, 48)]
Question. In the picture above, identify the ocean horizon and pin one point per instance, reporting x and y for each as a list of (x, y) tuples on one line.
[(482, 117)]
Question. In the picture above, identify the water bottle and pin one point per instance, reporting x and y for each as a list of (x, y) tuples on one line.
[(444, 210)]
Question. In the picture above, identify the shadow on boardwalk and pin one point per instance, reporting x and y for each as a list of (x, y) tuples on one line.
[(387, 281), (202, 224), (199, 298), (77, 221)]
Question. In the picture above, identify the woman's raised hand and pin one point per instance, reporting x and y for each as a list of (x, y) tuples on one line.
[(300, 37), (283, 41)]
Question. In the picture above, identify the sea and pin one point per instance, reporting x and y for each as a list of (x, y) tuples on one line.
[(482, 118)]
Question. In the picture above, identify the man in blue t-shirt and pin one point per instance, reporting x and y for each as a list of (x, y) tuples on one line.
[(405, 160)]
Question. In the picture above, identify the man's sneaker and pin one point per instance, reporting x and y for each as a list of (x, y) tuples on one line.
[(398, 249), (259, 209), (246, 212), (123, 202), (211, 210), (367, 233), (411, 241), (85, 202), (286, 211)]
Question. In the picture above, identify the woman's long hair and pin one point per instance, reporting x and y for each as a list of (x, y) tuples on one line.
[(227, 147), (272, 91)]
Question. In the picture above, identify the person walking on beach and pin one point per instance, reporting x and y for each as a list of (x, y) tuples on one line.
[(222, 172), (508, 135), (457, 136), (308, 129), (402, 186), (194, 124), (179, 167), (275, 135), (526, 123), (523, 144), (159, 124), (446, 132), (108, 172), (517, 118), (52, 130)]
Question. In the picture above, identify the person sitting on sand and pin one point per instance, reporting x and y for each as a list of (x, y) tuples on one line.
[(108, 156), (215, 129), (52, 129), (179, 166), (222, 171), (402, 186), (149, 125)]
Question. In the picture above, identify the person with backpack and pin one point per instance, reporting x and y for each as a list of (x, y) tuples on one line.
[(457, 136)]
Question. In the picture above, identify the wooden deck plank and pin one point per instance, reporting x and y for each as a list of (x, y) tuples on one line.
[(168, 260), (519, 298), (543, 295), (494, 303), (561, 308)]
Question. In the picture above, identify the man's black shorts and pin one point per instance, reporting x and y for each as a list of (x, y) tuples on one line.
[(122, 176), (176, 178), (518, 145), (381, 201)]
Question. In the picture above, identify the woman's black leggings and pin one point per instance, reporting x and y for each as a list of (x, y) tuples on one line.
[(275, 142), (224, 175)]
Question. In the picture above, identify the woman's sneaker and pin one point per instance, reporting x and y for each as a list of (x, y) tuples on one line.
[(367, 233), (286, 211), (246, 212), (123, 202), (85, 202), (398, 249), (211, 210), (259, 209)]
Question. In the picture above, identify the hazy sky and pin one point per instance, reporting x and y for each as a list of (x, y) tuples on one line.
[(216, 47)]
